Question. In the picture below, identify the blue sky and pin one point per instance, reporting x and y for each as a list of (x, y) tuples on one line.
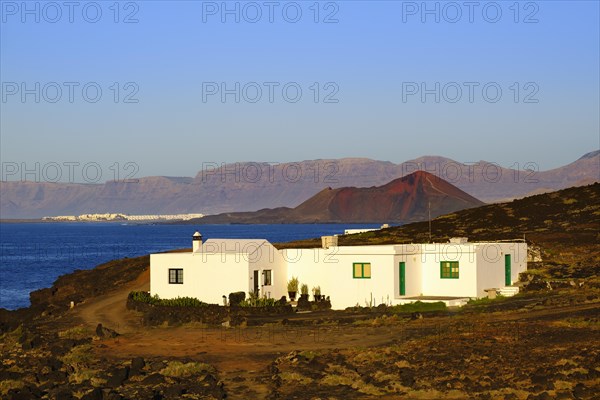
[(370, 67)]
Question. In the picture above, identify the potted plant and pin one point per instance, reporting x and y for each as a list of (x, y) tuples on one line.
[(292, 287), (304, 292), (317, 293)]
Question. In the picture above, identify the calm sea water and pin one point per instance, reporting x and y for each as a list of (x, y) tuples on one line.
[(33, 255)]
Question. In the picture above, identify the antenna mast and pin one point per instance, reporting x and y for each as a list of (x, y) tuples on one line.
[(429, 208)]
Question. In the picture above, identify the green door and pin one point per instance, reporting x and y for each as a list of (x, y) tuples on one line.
[(402, 279), (507, 280)]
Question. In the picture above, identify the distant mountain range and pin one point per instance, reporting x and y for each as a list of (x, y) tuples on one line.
[(405, 199), (252, 186)]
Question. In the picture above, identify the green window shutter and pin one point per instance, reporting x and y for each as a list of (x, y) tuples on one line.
[(449, 270), (366, 270), (361, 270), (356, 270)]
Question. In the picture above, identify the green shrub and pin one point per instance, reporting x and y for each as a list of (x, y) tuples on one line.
[(145, 297), (255, 301), (292, 285), (304, 289), (485, 300), (418, 306)]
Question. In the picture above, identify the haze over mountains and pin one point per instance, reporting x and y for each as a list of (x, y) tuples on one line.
[(253, 186)]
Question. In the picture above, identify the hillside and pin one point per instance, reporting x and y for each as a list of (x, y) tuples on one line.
[(402, 200), (563, 225), (251, 186)]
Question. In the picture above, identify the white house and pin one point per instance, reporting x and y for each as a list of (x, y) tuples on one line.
[(217, 267), (350, 275)]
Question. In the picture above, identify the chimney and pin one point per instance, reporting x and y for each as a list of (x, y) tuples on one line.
[(329, 241), (196, 242)]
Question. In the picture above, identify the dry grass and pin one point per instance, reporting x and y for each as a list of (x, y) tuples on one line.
[(342, 376), (7, 385), (435, 394), (309, 355), (583, 323), (79, 356), (370, 355), (11, 338), (77, 332), (295, 377), (563, 361), (178, 369), (83, 376)]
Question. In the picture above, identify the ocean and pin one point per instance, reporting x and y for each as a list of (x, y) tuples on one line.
[(33, 255)]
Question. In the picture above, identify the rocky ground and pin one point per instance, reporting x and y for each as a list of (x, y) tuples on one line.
[(541, 344)]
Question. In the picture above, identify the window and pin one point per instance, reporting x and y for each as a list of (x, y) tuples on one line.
[(449, 270), (361, 270), (266, 277), (176, 275)]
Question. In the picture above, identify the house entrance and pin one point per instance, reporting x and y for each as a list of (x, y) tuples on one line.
[(402, 274), (507, 277), (255, 282)]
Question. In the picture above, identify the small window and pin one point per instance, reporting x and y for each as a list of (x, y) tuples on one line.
[(266, 277), (449, 270), (176, 275), (361, 270)]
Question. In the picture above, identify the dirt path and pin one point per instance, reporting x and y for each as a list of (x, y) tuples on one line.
[(109, 309)]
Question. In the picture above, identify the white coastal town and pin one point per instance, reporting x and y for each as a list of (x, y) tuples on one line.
[(122, 217)]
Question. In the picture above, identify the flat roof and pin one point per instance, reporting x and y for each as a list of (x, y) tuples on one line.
[(233, 246), (430, 298)]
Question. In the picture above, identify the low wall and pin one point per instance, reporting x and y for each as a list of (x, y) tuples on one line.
[(211, 314)]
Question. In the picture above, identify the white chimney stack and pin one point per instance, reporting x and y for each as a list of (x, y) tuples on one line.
[(196, 242)]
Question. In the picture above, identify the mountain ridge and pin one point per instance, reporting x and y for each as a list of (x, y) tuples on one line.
[(252, 186)]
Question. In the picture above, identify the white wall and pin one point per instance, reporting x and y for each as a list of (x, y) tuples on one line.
[(434, 285), (411, 256), (268, 257), (205, 276), (332, 269), (490, 264), (209, 276), (519, 263), (159, 275), (490, 268)]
